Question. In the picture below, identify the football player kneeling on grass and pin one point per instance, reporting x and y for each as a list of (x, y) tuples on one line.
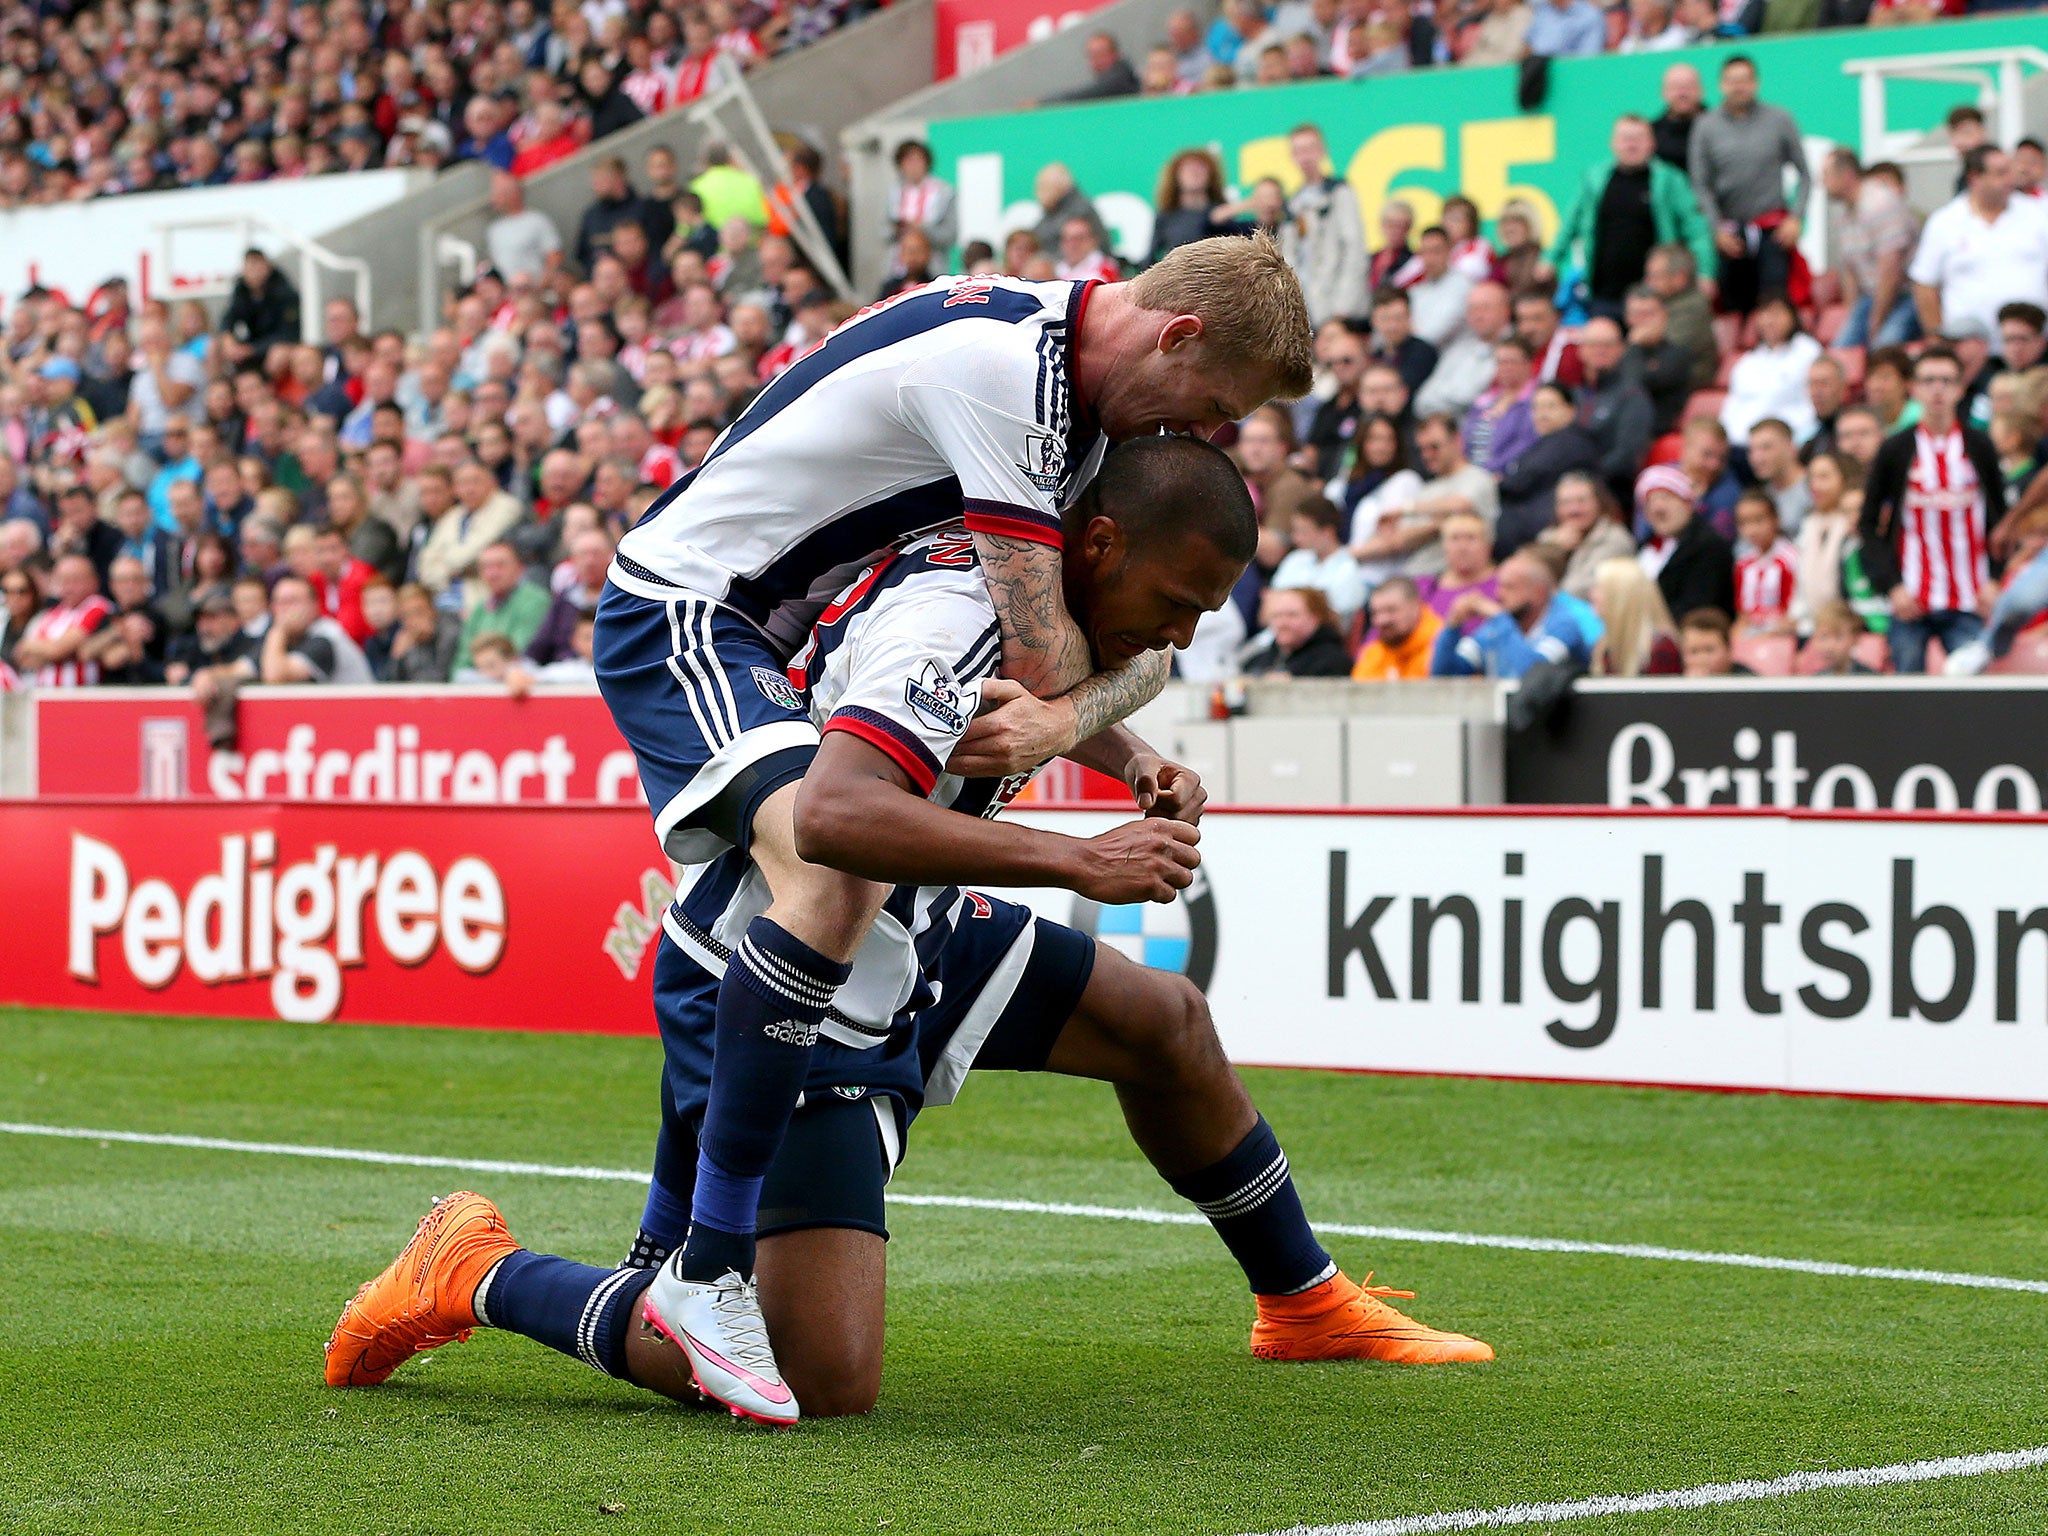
[(949, 981)]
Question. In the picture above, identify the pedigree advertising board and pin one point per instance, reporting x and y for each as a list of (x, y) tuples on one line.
[(497, 918)]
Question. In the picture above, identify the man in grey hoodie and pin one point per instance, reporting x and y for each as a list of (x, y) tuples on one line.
[(1324, 239), (1738, 156)]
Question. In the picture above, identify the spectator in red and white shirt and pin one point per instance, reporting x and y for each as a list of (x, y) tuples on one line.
[(1934, 492), (650, 84), (338, 579), (704, 66), (1082, 256), (1767, 574), (50, 648)]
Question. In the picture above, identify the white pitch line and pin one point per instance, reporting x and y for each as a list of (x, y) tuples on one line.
[(1056, 1208), (1700, 1497)]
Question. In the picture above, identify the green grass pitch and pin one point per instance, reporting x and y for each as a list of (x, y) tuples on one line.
[(164, 1307)]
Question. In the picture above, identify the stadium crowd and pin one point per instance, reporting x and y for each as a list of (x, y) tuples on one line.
[(1656, 443), (1252, 44), (110, 97)]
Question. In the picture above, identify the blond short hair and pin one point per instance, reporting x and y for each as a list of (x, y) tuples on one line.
[(1248, 300)]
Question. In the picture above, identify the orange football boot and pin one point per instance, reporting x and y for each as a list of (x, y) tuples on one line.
[(423, 1300), (1342, 1320)]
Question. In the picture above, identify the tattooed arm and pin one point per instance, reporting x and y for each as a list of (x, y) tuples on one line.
[(1045, 653), (1043, 648), (1016, 732)]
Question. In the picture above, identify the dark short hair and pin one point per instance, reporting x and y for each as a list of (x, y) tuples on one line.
[(1323, 512), (1898, 359), (1159, 490), (1393, 296), (1957, 116), (1773, 424), (1438, 230), (2032, 316), (1937, 354), (1757, 496), (1734, 59), (1708, 621), (1562, 391), (1975, 161)]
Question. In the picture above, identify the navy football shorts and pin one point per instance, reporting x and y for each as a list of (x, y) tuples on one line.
[(713, 720), (1007, 980)]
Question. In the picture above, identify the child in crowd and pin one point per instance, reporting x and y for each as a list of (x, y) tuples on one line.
[(1767, 573), (2016, 439), (1836, 629)]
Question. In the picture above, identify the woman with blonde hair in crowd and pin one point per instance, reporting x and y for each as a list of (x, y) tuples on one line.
[(1520, 253), (1640, 639), (1586, 527), (1835, 481)]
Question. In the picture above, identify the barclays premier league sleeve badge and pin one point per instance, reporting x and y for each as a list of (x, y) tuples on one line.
[(935, 699)]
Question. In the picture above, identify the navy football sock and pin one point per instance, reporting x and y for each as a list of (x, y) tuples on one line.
[(775, 992), (666, 1219), (1249, 1199), (577, 1308)]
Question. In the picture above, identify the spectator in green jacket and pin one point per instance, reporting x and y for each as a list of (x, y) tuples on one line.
[(511, 605), (1625, 209)]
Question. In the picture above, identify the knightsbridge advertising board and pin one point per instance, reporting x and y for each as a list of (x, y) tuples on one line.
[(1852, 954), (1424, 135), (1884, 744)]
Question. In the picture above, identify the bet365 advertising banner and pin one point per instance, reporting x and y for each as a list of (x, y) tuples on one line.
[(1424, 135), (1835, 953)]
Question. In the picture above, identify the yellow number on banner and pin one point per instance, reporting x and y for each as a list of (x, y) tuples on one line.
[(1390, 153), (1487, 152), (1259, 158)]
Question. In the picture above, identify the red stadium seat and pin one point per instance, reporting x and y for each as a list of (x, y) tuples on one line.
[(2028, 656), (1705, 403), (1725, 370), (1827, 289), (1727, 332), (1874, 652), (1828, 325), (1851, 359), (1766, 655)]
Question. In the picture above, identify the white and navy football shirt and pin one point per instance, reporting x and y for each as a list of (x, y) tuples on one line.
[(897, 659), (952, 401)]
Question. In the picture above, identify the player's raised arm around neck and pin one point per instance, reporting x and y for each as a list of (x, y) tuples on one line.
[(1043, 648)]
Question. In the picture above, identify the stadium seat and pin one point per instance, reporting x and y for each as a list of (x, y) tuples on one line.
[(1874, 652), (1724, 369), (1829, 323), (1766, 655), (1827, 289), (2028, 656), (1727, 331), (1705, 404), (1852, 360)]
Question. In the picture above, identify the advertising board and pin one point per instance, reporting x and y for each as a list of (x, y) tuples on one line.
[(1868, 954)]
